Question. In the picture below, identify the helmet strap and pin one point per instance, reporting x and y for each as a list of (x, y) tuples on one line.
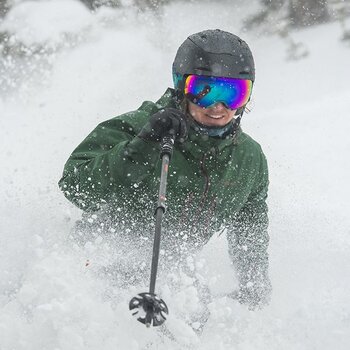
[(180, 98), (240, 111), (236, 124)]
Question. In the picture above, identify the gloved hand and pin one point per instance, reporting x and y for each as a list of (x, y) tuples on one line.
[(168, 121)]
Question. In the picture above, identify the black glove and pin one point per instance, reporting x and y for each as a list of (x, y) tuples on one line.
[(168, 121)]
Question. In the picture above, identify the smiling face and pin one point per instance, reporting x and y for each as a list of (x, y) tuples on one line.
[(217, 115)]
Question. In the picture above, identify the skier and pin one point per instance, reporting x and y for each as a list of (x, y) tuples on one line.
[(218, 177)]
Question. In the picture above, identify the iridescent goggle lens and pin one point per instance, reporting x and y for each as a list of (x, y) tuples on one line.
[(205, 91)]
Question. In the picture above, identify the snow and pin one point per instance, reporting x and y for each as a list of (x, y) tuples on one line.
[(53, 294), (46, 22)]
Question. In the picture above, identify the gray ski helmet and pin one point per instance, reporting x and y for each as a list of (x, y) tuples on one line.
[(213, 53)]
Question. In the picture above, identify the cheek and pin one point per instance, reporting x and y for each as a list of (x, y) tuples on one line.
[(196, 112), (232, 114)]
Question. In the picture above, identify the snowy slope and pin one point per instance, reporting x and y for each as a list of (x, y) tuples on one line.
[(71, 70)]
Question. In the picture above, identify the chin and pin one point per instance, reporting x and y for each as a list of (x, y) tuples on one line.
[(215, 122)]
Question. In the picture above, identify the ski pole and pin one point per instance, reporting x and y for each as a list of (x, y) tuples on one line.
[(148, 307)]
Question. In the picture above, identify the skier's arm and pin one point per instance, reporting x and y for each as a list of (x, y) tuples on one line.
[(111, 157), (248, 242)]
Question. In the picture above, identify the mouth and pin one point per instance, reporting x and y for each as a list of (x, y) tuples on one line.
[(215, 116)]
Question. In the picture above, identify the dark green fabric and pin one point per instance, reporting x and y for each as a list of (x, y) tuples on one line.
[(212, 183), (112, 160)]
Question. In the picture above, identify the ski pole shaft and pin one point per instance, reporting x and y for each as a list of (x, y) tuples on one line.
[(165, 153), (154, 309)]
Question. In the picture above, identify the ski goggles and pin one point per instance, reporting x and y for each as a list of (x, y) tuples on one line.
[(206, 91)]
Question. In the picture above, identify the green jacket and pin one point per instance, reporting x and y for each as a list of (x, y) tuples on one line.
[(212, 183)]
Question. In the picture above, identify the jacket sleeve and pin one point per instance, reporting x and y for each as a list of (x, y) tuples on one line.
[(112, 158), (248, 241)]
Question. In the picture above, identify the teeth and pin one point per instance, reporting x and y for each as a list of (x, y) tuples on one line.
[(214, 116)]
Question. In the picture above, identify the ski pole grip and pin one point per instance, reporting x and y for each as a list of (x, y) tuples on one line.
[(167, 146)]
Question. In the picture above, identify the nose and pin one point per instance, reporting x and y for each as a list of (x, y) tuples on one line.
[(219, 106)]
